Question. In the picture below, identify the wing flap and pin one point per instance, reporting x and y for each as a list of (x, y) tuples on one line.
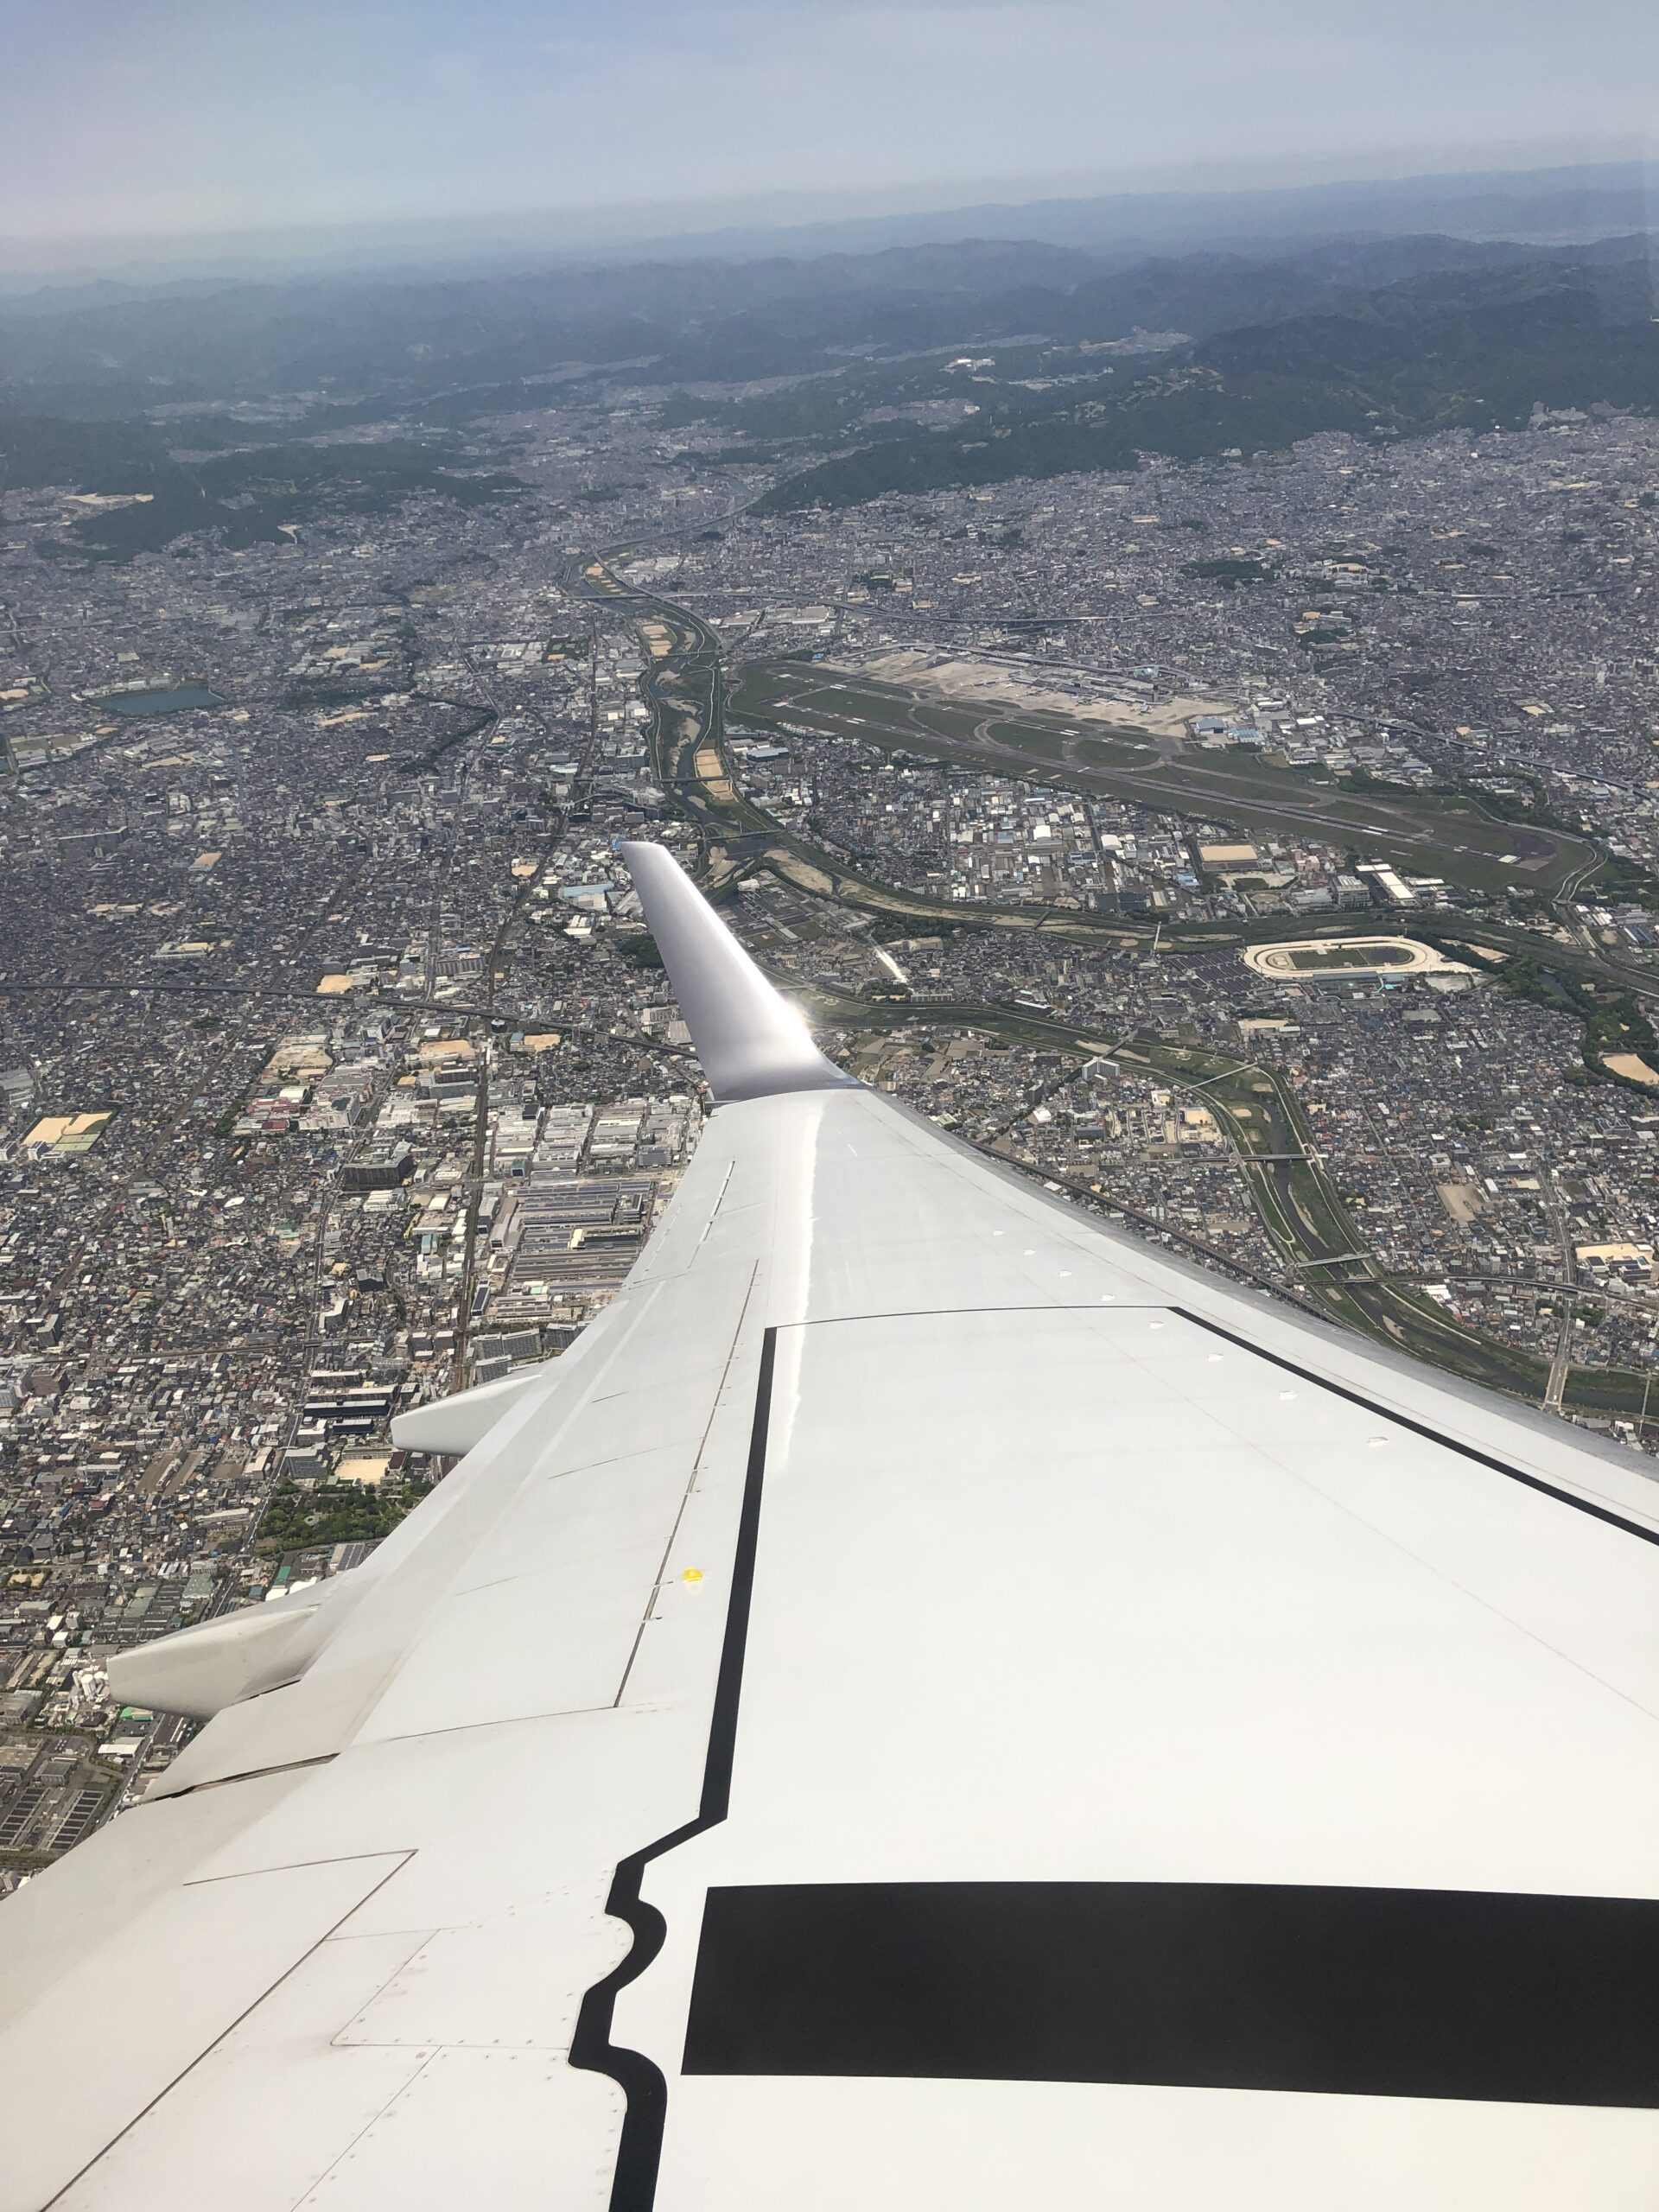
[(215, 1949), (262, 2119)]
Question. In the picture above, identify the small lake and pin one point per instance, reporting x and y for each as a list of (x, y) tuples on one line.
[(135, 703)]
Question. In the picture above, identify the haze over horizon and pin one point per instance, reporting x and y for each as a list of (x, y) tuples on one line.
[(365, 125)]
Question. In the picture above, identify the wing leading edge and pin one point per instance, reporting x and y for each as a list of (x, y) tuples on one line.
[(929, 1701)]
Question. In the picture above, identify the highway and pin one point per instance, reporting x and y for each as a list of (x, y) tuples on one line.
[(1300, 1209)]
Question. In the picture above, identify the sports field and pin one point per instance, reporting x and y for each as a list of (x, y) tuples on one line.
[(1337, 959), (1347, 956)]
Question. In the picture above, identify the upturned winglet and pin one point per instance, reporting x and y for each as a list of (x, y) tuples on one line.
[(751, 1041)]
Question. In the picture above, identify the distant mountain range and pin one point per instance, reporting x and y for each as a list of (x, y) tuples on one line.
[(1480, 345), (1569, 204), (967, 361), (1562, 204), (106, 351)]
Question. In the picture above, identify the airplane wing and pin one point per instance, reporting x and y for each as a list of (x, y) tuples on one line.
[(929, 1702)]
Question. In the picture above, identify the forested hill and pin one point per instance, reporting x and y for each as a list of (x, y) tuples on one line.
[(243, 408), (1474, 348)]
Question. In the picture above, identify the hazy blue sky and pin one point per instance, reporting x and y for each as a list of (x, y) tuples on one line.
[(144, 118)]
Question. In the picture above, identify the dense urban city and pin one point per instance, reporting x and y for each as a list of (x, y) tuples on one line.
[(1261, 848)]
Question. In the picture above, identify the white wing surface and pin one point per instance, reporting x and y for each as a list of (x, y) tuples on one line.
[(928, 1703)]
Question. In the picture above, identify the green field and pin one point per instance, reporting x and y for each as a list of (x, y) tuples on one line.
[(1348, 959), (1427, 833)]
